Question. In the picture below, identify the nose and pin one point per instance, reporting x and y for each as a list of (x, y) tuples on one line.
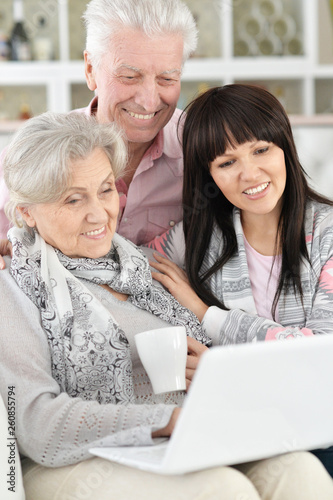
[(97, 213), (249, 170), (148, 95)]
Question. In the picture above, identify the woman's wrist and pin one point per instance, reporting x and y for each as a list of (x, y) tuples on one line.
[(201, 310), (167, 430)]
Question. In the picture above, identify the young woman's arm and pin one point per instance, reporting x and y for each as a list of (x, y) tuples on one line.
[(236, 325)]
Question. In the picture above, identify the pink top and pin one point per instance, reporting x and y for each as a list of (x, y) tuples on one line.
[(153, 202), (263, 278)]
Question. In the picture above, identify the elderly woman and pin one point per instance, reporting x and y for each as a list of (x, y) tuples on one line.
[(76, 295)]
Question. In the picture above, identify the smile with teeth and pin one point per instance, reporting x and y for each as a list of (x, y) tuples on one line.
[(141, 117), (95, 233), (257, 189)]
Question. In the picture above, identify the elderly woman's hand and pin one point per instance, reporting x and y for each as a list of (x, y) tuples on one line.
[(5, 249), (194, 352), (167, 431), (175, 280)]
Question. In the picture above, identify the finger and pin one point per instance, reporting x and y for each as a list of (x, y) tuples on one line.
[(189, 374), (170, 273), (168, 263), (194, 347), (2, 263), (168, 283), (160, 257), (162, 269), (165, 280), (192, 362)]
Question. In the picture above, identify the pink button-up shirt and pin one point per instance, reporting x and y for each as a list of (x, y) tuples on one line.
[(153, 202)]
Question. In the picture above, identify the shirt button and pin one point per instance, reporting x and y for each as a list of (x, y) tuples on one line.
[(125, 220), (172, 223)]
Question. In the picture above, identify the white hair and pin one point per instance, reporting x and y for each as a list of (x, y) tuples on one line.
[(104, 18), (37, 162)]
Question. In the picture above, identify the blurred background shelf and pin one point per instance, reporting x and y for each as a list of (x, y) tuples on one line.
[(284, 45)]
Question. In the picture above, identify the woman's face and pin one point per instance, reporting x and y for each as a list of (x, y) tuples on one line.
[(252, 176), (82, 223)]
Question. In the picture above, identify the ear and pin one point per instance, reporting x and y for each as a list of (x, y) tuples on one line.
[(26, 215), (89, 72)]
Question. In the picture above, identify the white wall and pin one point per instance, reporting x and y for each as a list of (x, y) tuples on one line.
[(315, 149)]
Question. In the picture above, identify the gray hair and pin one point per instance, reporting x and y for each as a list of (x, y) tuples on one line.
[(37, 162), (104, 18)]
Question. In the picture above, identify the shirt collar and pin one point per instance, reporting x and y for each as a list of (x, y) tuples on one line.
[(167, 142), (156, 149)]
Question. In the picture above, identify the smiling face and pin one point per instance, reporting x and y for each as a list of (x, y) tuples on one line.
[(252, 176), (138, 82), (82, 223)]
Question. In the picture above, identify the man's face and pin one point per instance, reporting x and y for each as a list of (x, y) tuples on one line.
[(138, 82)]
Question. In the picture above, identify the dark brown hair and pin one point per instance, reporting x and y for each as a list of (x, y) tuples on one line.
[(220, 118)]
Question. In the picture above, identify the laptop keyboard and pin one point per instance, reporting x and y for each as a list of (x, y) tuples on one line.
[(152, 454)]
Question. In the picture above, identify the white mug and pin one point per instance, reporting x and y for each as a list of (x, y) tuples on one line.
[(163, 353)]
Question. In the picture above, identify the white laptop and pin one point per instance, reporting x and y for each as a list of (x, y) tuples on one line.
[(246, 402)]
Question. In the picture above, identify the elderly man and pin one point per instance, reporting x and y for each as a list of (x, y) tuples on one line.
[(135, 51)]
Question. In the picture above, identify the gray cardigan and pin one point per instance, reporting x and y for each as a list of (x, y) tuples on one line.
[(52, 428)]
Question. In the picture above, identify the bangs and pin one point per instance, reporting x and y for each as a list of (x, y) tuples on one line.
[(215, 123)]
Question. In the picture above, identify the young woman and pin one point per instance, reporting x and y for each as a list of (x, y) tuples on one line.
[(256, 241)]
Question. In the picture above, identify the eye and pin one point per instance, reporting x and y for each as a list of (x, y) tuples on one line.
[(226, 164), (167, 80), (72, 201), (260, 151), (127, 79), (107, 188)]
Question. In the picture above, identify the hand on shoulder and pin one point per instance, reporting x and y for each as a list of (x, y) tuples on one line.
[(175, 281)]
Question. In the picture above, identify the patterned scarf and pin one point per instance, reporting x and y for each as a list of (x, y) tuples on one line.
[(90, 354)]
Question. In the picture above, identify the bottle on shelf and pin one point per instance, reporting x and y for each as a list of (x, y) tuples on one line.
[(42, 43), (24, 113), (24, 109), (19, 41)]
